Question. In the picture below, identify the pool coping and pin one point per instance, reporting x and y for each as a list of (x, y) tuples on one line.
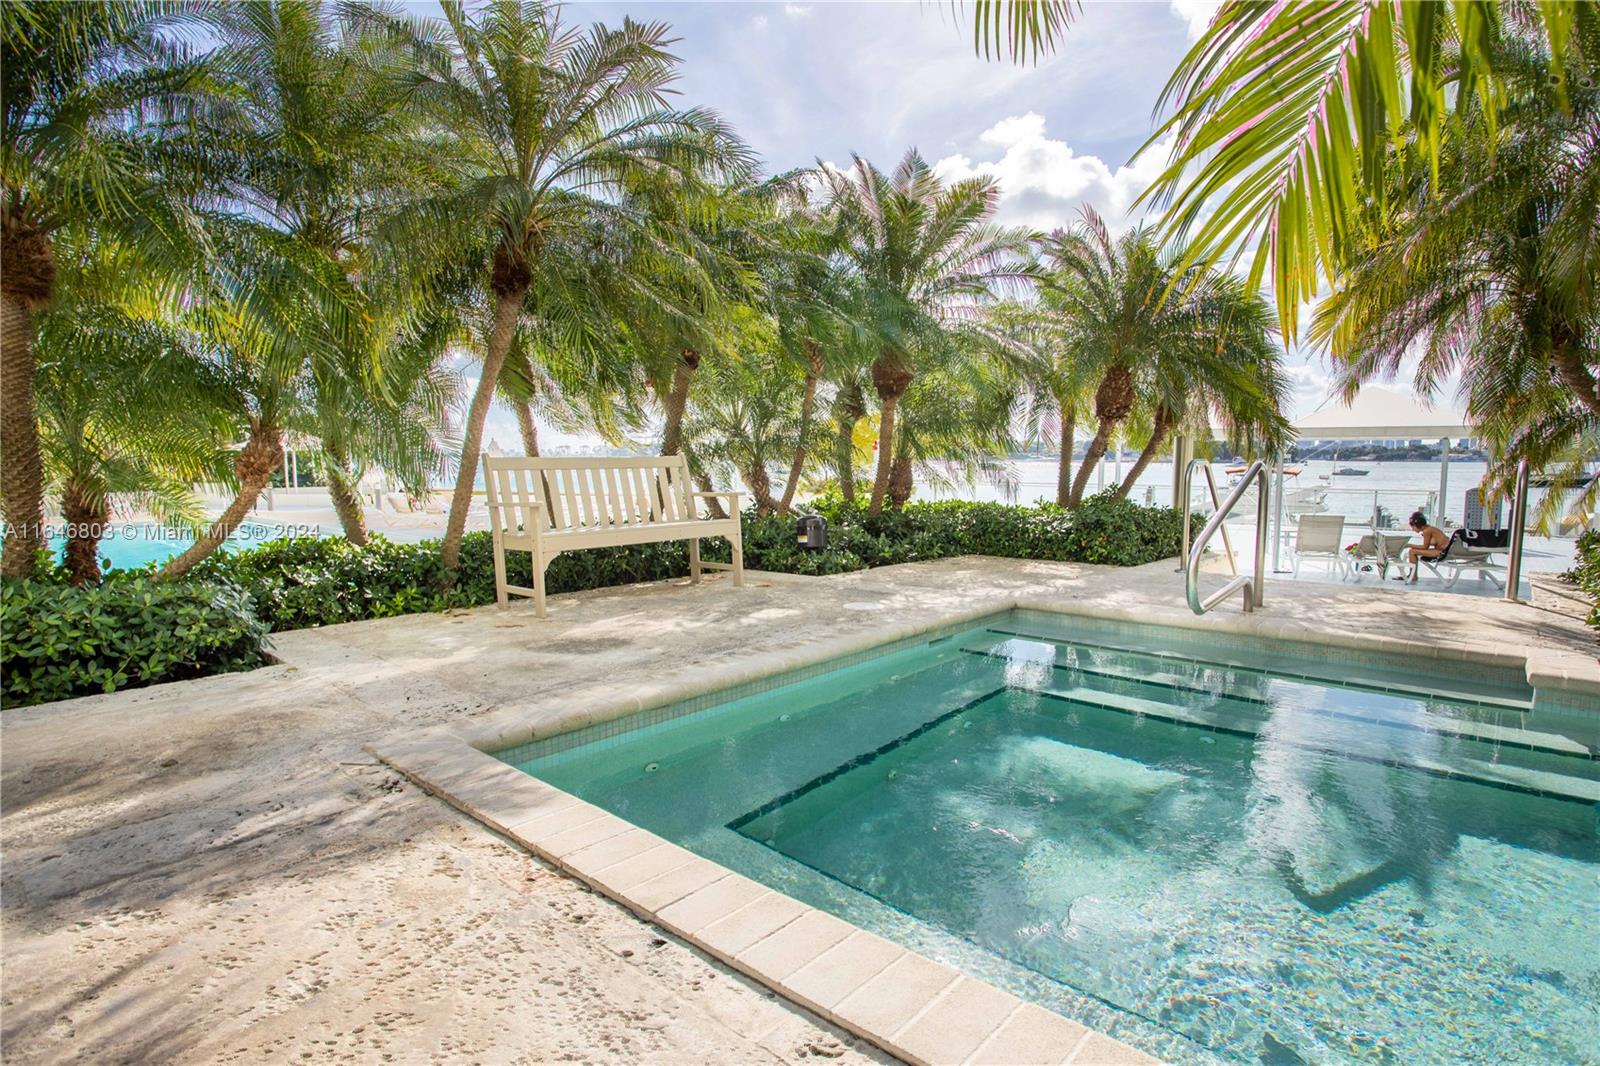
[(913, 1007)]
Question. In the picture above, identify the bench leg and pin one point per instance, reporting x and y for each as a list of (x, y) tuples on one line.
[(694, 560), (500, 596), (738, 554), (539, 565)]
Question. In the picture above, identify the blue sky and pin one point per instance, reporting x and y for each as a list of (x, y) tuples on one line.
[(809, 81)]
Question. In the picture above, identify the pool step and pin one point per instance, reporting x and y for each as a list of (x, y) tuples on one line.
[(1385, 710), (1443, 689), (1369, 748)]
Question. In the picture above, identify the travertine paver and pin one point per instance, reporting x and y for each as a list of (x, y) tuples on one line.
[(706, 905), (953, 1026), (612, 850), (796, 944), (622, 876), (826, 980), (893, 997), (658, 892), (756, 920), (1099, 1050), (1031, 1035), (218, 870)]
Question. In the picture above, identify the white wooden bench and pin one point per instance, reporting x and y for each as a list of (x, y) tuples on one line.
[(548, 506)]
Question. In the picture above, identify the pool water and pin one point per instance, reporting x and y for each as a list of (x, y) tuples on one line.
[(1214, 849), (135, 544)]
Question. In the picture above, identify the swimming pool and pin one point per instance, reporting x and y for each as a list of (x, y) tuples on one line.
[(135, 544), (1213, 848)]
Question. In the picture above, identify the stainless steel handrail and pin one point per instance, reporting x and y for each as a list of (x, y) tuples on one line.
[(1256, 472), (1204, 466)]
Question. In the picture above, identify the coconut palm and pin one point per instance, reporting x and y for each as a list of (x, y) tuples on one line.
[(552, 123), (925, 254), (89, 92), (1285, 116), (1487, 278), (1199, 353)]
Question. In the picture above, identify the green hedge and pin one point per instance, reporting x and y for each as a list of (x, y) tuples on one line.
[(1586, 573), (58, 641)]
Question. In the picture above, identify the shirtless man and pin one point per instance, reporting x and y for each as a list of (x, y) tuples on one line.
[(1434, 542)]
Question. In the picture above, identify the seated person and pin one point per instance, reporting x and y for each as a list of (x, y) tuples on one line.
[(1434, 543)]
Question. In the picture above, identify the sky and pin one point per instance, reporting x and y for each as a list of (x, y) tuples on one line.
[(804, 82)]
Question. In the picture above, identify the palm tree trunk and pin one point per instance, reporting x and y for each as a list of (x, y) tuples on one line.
[(347, 502), (1113, 401), (678, 401), (507, 311), (1064, 464), (260, 456), (760, 489), (1158, 440), (807, 403), (901, 483), (85, 512), (1097, 449), (891, 377), (714, 506), (21, 470), (847, 411), (1577, 376), (527, 427), (880, 480)]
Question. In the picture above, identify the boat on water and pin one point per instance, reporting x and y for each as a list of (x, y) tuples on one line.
[(1297, 500), (1351, 471), (1544, 481)]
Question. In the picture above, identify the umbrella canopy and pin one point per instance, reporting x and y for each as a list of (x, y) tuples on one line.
[(1379, 413)]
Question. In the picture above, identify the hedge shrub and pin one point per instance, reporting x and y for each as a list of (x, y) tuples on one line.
[(1586, 572), (59, 641)]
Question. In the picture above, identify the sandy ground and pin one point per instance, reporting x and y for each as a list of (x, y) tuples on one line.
[(215, 871)]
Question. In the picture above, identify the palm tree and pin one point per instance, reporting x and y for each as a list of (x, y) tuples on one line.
[(1199, 352), (127, 409), (325, 147), (89, 90), (1053, 385), (925, 254), (1487, 277), (1285, 117), (1230, 373), (552, 123)]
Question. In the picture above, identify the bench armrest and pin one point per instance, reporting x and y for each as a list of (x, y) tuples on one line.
[(721, 492)]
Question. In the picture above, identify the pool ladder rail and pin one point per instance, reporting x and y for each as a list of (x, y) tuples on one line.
[(1255, 475)]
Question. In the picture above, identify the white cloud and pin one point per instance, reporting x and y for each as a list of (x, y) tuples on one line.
[(797, 11), (1197, 13), (759, 22), (1043, 182)]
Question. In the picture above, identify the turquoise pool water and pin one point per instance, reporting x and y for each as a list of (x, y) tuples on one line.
[(1217, 850), (136, 544)]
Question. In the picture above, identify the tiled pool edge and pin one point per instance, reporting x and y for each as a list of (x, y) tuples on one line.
[(926, 1012), (918, 1010)]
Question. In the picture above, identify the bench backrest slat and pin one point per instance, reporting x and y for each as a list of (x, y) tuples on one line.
[(588, 494)]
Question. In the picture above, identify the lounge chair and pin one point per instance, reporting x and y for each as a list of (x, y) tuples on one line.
[(1459, 555), (1317, 536), (1381, 551)]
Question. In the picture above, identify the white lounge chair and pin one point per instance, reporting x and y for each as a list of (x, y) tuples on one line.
[(1381, 551), (1458, 556), (1318, 536)]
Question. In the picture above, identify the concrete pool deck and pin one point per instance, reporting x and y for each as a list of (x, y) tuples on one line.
[(218, 870)]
